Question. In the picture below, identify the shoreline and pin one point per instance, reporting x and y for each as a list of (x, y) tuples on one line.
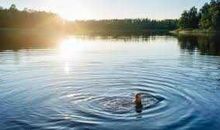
[(64, 31), (194, 32)]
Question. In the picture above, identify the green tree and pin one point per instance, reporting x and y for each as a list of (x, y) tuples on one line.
[(13, 7), (189, 19), (183, 21), (210, 15), (207, 18)]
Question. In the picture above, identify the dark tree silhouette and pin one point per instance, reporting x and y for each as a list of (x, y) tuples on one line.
[(207, 18), (13, 7), (189, 19), (123, 25), (210, 15), (31, 19)]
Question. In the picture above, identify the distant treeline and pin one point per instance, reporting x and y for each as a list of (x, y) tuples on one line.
[(207, 18), (26, 19), (31, 19), (123, 25)]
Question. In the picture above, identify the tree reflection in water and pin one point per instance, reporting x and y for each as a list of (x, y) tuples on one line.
[(207, 45)]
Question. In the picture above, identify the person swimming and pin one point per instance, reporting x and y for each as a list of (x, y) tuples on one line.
[(138, 103)]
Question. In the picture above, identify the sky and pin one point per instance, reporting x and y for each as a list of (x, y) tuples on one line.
[(108, 9)]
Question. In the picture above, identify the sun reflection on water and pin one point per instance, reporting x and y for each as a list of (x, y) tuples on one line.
[(70, 52), (70, 48)]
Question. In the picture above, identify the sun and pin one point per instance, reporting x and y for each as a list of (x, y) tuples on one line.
[(74, 11)]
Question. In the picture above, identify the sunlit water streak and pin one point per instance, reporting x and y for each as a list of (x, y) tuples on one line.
[(91, 84)]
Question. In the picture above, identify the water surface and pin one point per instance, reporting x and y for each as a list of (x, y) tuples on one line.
[(90, 82)]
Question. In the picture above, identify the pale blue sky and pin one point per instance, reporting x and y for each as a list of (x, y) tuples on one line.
[(108, 9)]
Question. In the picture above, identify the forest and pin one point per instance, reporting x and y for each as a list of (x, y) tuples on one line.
[(122, 25), (31, 19), (207, 18)]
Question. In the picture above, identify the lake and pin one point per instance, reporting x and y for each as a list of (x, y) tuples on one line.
[(89, 82)]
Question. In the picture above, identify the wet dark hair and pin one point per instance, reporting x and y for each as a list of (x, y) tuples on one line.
[(137, 95), (138, 104)]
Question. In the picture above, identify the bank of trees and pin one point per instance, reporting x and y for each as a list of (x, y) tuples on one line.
[(26, 19), (123, 25), (208, 17)]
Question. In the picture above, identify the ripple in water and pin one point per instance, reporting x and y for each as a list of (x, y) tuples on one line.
[(122, 105), (179, 91)]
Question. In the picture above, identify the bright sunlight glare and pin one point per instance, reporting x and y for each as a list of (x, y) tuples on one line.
[(71, 45), (71, 49)]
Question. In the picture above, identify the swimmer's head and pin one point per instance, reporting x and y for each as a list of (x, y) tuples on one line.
[(138, 99), (138, 103)]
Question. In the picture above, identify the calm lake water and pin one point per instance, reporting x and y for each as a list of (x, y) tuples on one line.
[(85, 82)]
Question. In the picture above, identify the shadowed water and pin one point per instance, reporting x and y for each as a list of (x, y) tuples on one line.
[(90, 83)]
